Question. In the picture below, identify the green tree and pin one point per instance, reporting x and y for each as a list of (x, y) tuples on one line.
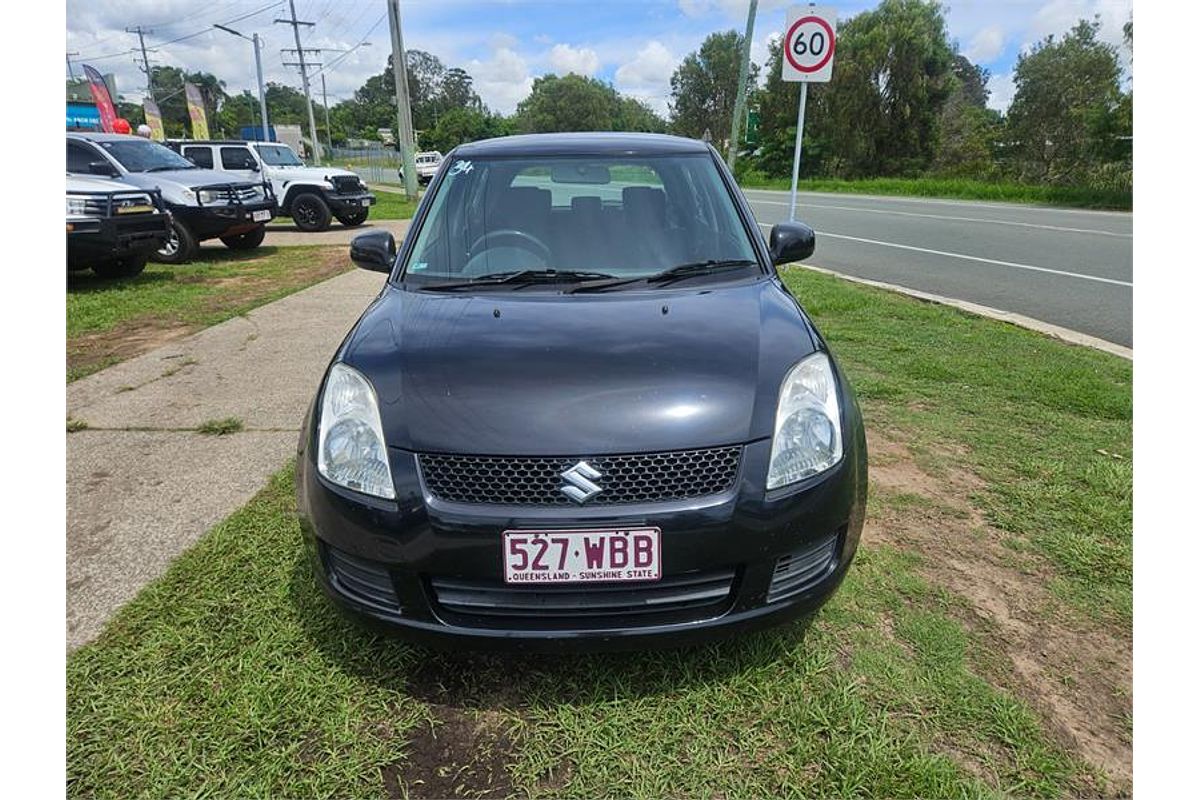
[(634, 115), (575, 103), (704, 88), (460, 125), (968, 129), (1065, 111)]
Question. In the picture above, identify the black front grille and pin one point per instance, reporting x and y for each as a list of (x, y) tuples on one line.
[(364, 581), (643, 478), (346, 184), (683, 597), (803, 568)]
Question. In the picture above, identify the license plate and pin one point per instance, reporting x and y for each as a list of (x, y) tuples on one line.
[(583, 556), (134, 209), (261, 216), (365, 203)]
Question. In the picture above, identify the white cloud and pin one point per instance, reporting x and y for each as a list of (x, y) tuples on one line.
[(986, 45), (582, 61), (648, 75), (503, 80), (1002, 89)]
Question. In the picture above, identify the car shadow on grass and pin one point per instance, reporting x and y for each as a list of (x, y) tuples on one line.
[(502, 681)]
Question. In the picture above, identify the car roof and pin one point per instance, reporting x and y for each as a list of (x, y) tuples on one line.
[(221, 141), (590, 144), (96, 136)]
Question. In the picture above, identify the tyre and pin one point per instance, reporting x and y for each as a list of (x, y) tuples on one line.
[(120, 267), (310, 213), (180, 248), (246, 241), (354, 218)]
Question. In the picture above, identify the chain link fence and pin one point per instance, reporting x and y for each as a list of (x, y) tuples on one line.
[(373, 164)]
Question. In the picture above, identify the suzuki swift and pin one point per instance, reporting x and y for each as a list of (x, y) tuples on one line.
[(584, 411)]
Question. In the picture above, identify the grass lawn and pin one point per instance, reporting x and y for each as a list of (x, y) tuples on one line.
[(964, 656), (111, 320), (392, 205), (956, 188)]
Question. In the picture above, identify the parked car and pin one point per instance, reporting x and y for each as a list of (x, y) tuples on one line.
[(427, 166), (112, 227), (584, 411), (311, 196), (203, 204)]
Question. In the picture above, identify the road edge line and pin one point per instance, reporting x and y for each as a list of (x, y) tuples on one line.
[(1020, 320)]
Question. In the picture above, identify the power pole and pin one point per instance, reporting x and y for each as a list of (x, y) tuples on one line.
[(262, 93), (312, 122), (70, 66), (325, 102), (739, 107), (145, 61), (403, 108)]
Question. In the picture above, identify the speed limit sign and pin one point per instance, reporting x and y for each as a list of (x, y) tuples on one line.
[(808, 44)]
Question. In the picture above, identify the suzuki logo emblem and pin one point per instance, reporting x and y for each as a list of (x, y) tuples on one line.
[(579, 486)]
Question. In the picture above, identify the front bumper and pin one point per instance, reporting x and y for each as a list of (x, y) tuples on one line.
[(344, 203), (211, 221), (96, 239), (387, 559)]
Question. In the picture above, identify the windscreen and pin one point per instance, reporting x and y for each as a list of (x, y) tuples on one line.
[(140, 155), (279, 156), (622, 216)]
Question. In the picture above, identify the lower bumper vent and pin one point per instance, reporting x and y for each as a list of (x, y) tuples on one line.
[(803, 568), (363, 581), (677, 598)]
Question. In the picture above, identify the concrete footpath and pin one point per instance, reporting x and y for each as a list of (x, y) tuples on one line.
[(142, 485)]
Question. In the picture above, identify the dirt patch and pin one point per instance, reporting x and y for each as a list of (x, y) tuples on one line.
[(1076, 674), (93, 351), (461, 755)]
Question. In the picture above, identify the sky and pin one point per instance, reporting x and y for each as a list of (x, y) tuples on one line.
[(505, 44)]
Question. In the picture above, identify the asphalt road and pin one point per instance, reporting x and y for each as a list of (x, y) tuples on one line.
[(1068, 267)]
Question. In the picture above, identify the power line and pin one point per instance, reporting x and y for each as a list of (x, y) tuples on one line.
[(361, 43)]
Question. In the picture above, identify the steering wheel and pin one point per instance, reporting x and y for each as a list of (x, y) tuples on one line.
[(518, 239)]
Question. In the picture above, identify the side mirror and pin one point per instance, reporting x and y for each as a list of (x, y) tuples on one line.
[(253, 167), (791, 241), (374, 250), (102, 168)]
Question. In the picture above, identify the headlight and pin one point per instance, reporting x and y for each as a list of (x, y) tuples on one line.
[(210, 197), (350, 449), (76, 206), (808, 423), (188, 195)]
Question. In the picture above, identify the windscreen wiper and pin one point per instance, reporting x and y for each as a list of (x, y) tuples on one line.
[(520, 277), (675, 273)]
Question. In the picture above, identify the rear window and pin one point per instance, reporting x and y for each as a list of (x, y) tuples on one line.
[(237, 158), (200, 156), (622, 216)]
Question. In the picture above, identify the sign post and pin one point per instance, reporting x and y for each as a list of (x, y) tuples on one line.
[(808, 47)]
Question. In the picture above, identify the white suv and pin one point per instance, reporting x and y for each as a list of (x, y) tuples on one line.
[(427, 166)]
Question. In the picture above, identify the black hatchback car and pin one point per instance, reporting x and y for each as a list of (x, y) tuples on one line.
[(584, 411)]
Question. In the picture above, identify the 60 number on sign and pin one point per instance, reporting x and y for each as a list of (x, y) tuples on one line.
[(809, 42)]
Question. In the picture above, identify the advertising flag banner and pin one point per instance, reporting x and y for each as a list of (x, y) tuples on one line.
[(195, 105), (154, 120), (104, 103)]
